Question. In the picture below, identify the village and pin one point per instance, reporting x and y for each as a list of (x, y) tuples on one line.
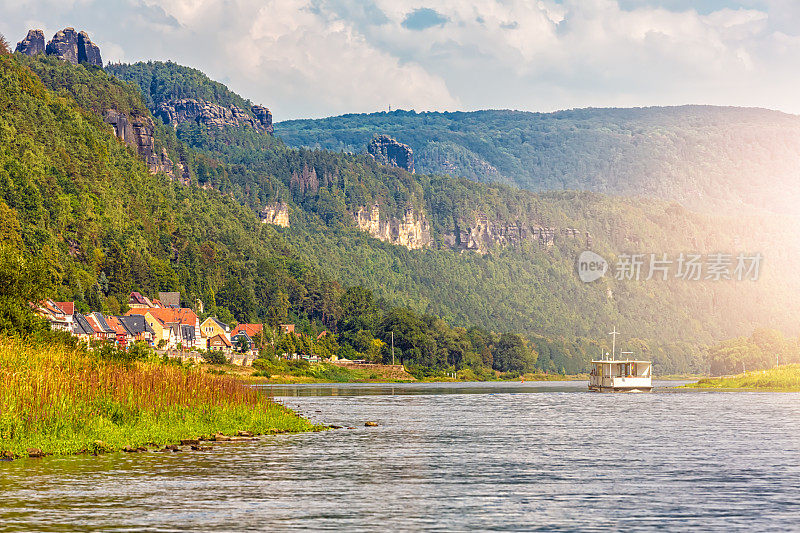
[(175, 331)]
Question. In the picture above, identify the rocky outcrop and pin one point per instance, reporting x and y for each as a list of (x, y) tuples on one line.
[(264, 116), (387, 151), (137, 132), (32, 44), (276, 213), (178, 111), (484, 234), (88, 52), (412, 231), (65, 44)]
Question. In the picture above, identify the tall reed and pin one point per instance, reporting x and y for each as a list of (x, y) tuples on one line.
[(62, 401)]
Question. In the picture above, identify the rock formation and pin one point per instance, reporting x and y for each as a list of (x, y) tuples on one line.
[(412, 231), (483, 234), (88, 52), (276, 213), (387, 151), (264, 116), (181, 110), (137, 132), (32, 44), (66, 44)]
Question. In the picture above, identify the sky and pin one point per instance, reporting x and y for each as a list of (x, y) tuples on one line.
[(315, 58)]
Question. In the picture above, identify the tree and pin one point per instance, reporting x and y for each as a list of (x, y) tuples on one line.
[(4, 46), (512, 354)]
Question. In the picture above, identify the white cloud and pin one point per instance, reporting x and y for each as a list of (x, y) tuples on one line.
[(320, 57)]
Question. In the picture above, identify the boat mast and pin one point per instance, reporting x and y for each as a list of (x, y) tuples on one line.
[(614, 343)]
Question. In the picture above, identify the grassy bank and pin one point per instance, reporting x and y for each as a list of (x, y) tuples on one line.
[(785, 378), (63, 401)]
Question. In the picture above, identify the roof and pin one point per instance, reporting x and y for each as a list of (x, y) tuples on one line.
[(242, 334), (250, 329), (168, 315), (136, 297), (225, 341), (223, 325), (117, 325), (170, 299), (98, 323), (80, 326), (136, 324), (67, 307)]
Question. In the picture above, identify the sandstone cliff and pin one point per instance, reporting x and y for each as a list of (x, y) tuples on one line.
[(137, 132), (482, 234), (387, 151), (182, 110), (276, 213), (412, 231), (66, 44)]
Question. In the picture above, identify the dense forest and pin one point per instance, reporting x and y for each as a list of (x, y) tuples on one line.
[(109, 227), (526, 287), (702, 156), (83, 220)]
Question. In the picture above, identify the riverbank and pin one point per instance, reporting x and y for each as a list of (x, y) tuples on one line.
[(62, 401), (782, 379)]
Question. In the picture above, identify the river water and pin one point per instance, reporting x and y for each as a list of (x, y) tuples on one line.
[(498, 456)]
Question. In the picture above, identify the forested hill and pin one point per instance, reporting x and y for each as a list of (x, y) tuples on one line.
[(493, 255), (702, 156)]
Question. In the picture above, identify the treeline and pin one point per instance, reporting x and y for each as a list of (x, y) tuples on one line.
[(528, 287), (765, 348), (703, 156), (83, 220)]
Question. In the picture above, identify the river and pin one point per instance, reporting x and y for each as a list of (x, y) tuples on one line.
[(496, 456)]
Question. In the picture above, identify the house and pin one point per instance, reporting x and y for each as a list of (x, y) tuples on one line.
[(137, 301), (170, 299), (139, 328), (221, 343), (54, 314), (287, 329), (122, 335), (163, 321), (241, 341), (102, 331), (81, 328), (212, 326), (187, 334), (251, 329)]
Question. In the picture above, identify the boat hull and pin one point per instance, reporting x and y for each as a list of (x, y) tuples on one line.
[(597, 388)]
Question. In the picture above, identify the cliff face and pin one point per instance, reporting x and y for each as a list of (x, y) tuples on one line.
[(276, 213), (412, 231), (67, 44), (213, 115), (137, 132), (483, 234), (387, 151)]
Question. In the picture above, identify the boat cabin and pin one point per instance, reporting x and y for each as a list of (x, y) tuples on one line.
[(620, 376)]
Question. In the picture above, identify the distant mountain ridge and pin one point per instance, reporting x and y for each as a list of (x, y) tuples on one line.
[(705, 157)]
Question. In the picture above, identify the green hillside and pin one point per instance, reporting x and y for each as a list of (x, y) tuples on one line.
[(526, 287), (702, 156)]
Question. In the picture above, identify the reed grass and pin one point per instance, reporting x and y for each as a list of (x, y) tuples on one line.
[(785, 379), (65, 401)]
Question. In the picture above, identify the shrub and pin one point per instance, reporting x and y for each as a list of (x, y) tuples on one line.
[(215, 357)]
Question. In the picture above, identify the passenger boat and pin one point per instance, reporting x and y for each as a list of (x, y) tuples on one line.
[(623, 375)]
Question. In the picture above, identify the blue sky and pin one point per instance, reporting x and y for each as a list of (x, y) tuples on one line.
[(312, 58)]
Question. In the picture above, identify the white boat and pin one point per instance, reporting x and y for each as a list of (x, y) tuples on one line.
[(620, 375)]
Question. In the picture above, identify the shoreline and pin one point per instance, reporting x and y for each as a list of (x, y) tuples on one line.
[(782, 379)]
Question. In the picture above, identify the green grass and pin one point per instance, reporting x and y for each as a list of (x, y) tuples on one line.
[(65, 401), (785, 378)]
